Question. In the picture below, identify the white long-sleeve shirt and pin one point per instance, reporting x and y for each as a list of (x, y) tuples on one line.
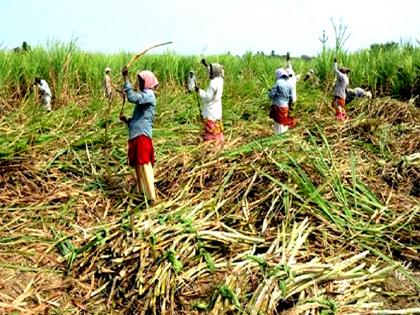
[(292, 80), (212, 99), (107, 85), (341, 83), (44, 88)]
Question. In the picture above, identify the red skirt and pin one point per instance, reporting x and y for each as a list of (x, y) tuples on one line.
[(338, 103), (140, 151), (213, 131), (281, 116)]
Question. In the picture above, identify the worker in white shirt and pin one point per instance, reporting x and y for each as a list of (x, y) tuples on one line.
[(292, 79), (341, 83), (211, 110), (107, 83), (191, 82), (46, 93), (357, 92)]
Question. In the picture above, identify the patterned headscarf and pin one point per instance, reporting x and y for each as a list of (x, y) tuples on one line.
[(344, 70), (150, 81), (216, 70), (290, 72), (280, 72)]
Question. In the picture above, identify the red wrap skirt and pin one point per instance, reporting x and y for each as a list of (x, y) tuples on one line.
[(338, 103), (213, 130), (140, 151), (281, 116)]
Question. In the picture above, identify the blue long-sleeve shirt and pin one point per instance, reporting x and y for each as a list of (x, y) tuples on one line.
[(281, 93), (144, 111)]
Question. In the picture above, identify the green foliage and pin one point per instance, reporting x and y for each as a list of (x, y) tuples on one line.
[(73, 74), (392, 71)]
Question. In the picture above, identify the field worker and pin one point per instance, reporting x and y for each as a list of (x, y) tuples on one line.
[(341, 83), (191, 82), (281, 97), (140, 147), (46, 93), (357, 92), (211, 110), (292, 79), (310, 77), (107, 83)]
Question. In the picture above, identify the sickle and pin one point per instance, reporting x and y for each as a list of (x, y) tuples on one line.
[(123, 99)]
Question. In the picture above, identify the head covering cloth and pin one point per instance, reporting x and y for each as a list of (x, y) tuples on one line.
[(216, 70), (150, 81), (344, 70), (280, 73)]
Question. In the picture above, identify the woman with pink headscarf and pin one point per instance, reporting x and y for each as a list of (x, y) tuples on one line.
[(141, 154)]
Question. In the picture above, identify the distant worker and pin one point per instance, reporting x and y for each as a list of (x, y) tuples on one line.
[(310, 77), (191, 82), (292, 79), (281, 95), (211, 110), (46, 93), (341, 83), (107, 83), (357, 92), (141, 154)]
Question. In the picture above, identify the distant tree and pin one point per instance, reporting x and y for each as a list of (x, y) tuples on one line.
[(390, 45), (384, 47), (273, 53), (25, 46), (305, 57)]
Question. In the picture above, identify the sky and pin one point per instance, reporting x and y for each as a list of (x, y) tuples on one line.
[(207, 27)]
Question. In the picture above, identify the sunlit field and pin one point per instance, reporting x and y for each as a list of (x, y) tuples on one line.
[(324, 219)]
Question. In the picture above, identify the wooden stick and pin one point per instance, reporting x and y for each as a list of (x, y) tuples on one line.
[(135, 57), (123, 99), (198, 100)]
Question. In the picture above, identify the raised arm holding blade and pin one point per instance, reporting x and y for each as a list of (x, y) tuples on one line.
[(141, 154), (211, 110)]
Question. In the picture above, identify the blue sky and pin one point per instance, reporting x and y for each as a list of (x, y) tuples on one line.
[(207, 27)]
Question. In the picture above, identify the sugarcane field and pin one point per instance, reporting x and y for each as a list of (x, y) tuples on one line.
[(153, 182)]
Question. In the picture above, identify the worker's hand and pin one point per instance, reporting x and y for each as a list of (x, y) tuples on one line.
[(124, 71), (123, 118), (203, 61), (288, 56)]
